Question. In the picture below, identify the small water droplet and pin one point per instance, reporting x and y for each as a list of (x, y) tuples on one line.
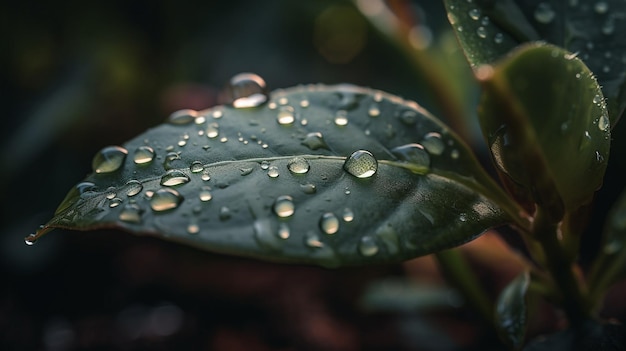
[(329, 223), (224, 213), (265, 165), (498, 38), (205, 176), (196, 167), (212, 130), (133, 187), (348, 215), (373, 111), (223, 139), (604, 123), (433, 143), (182, 117), (283, 206), (283, 231), (454, 154), (217, 114), (286, 116), (601, 7), (544, 13), (315, 141), (109, 159), (463, 217), (247, 90), (205, 194), (304, 103), (116, 201), (474, 14), (272, 105), (361, 164), (165, 199), (131, 213), (193, 228), (597, 99), (143, 155), (599, 157), (272, 172), (368, 246), (481, 32), (246, 170), (298, 165), (174, 177), (414, 154), (111, 193), (308, 188), (313, 240), (283, 101), (341, 118), (182, 143)]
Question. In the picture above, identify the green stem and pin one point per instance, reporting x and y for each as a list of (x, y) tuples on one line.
[(459, 274)]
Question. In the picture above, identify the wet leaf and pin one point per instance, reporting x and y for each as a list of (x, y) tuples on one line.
[(324, 175), (591, 337), (512, 312), (488, 30), (546, 123)]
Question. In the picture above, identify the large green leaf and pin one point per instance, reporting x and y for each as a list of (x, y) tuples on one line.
[(488, 29), (512, 311), (285, 181), (547, 126)]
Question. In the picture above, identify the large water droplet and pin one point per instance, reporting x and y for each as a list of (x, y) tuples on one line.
[(315, 141), (433, 143), (182, 117), (133, 187), (165, 199), (286, 115), (329, 223), (143, 155), (109, 159), (247, 90), (298, 165), (414, 154), (131, 213), (544, 13), (174, 177), (368, 246), (604, 124), (361, 164), (283, 206), (272, 172)]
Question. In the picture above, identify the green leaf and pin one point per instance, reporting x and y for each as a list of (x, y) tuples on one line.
[(285, 181), (488, 30), (546, 123), (512, 311)]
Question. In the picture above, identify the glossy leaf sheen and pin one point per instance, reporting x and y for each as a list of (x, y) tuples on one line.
[(511, 311), (488, 30), (228, 198), (547, 126)]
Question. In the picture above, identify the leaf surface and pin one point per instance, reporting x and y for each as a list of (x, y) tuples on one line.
[(282, 181), (512, 311), (488, 30)]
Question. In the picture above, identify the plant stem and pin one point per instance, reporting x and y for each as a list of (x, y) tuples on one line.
[(560, 267), (458, 272)]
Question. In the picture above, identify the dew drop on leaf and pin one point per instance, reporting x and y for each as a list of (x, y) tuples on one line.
[(348, 215), (205, 194), (272, 172), (143, 155), (31, 239), (133, 187), (212, 130), (298, 165), (196, 167), (373, 111), (341, 118), (474, 14), (604, 123), (498, 38), (115, 202), (109, 159), (368, 246), (165, 199), (283, 206), (361, 164), (283, 231), (193, 228), (433, 143), (308, 188), (481, 32), (286, 116), (247, 90), (174, 177), (329, 223), (131, 213), (182, 117), (315, 141), (313, 240)]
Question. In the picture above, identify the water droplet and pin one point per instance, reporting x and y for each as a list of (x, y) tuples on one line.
[(247, 90), (174, 177), (111, 193), (193, 228), (109, 159), (361, 164), (169, 160), (601, 7), (283, 101), (315, 141), (348, 215), (544, 13), (433, 143), (454, 154), (283, 231), (116, 201), (133, 187), (304, 103), (165, 199), (212, 130), (463, 217), (246, 170), (298, 165), (474, 14), (272, 172), (283, 206), (224, 213), (143, 155), (217, 114), (329, 223), (223, 139), (313, 240), (308, 188), (414, 154), (373, 111), (196, 167), (205, 176), (484, 21), (481, 32), (498, 38), (205, 194), (182, 117), (368, 246), (341, 118), (286, 115), (265, 165), (182, 143), (604, 123), (597, 99)]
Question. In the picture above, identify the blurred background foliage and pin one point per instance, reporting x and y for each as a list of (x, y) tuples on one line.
[(80, 75)]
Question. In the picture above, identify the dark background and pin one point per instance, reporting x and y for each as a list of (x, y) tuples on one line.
[(80, 75)]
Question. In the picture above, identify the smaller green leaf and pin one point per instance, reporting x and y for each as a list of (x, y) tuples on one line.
[(546, 122), (512, 311)]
